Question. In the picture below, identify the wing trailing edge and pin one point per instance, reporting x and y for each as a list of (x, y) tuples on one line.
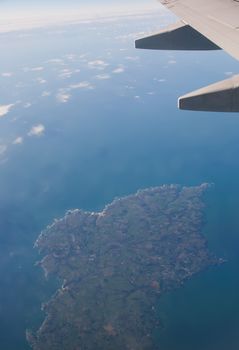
[(219, 97), (178, 36)]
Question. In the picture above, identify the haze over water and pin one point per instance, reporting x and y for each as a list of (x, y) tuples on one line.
[(94, 119)]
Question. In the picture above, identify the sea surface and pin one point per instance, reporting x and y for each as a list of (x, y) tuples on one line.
[(119, 133)]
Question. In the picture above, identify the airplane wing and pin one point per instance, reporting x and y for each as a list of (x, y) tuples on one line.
[(218, 20), (204, 25)]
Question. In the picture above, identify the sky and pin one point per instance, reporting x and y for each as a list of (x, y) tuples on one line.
[(66, 3), (23, 15)]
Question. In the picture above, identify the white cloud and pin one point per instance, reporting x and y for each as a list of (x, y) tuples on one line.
[(37, 130), (172, 62), (71, 57), (119, 70), (82, 85), (7, 74), (65, 73), (130, 36), (132, 58), (63, 97), (5, 109), (162, 80), (46, 93), (18, 141), (56, 61), (33, 69), (103, 76), (41, 80), (37, 69), (83, 57), (97, 64)]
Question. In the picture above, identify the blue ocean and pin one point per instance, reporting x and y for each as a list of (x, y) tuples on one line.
[(85, 118)]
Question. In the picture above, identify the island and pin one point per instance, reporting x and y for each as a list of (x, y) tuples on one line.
[(114, 266)]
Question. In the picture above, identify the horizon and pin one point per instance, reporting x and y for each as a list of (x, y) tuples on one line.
[(72, 3), (35, 16)]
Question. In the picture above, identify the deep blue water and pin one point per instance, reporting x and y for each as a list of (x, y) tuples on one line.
[(124, 134)]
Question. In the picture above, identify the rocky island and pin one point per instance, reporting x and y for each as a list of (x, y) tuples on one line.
[(115, 264)]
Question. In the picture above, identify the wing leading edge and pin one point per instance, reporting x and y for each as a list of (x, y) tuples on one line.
[(205, 25)]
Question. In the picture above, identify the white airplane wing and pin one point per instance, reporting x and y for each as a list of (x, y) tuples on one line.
[(218, 20), (204, 25)]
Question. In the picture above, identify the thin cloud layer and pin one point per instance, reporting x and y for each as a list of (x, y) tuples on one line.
[(33, 69), (132, 58), (7, 74), (59, 61), (46, 94), (27, 105), (172, 61), (3, 149), (37, 69), (41, 80), (18, 141), (45, 17)]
